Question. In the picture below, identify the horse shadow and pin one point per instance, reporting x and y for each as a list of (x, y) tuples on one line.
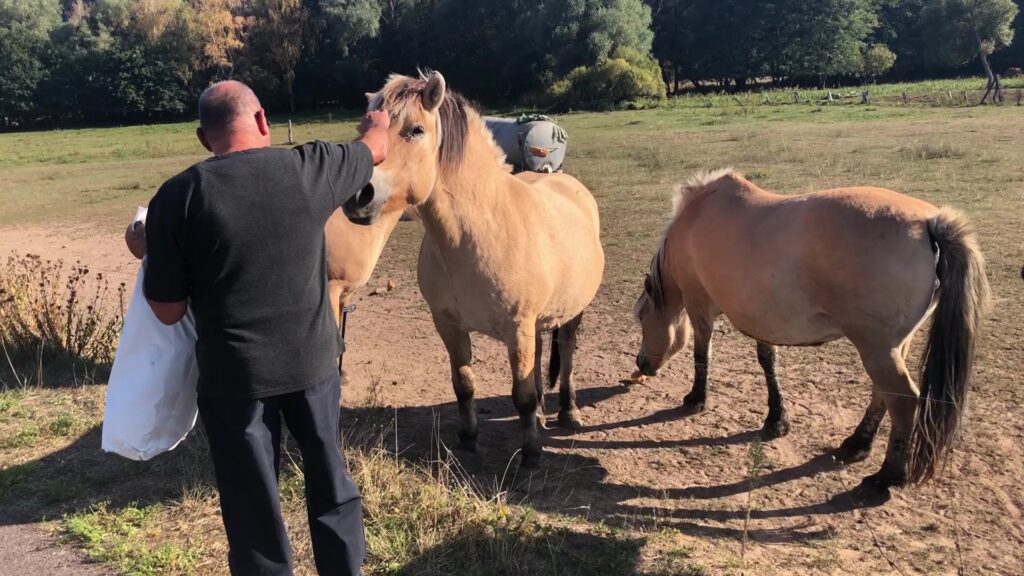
[(81, 476), (571, 483)]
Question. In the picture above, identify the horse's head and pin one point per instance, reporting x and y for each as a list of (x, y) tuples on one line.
[(427, 135), (660, 312)]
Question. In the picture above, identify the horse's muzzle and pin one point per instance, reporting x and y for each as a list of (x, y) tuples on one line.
[(644, 365), (360, 209)]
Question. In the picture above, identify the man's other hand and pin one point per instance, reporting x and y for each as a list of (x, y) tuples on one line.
[(374, 129), (135, 239)]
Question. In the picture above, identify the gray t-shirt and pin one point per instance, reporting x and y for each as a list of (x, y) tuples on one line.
[(242, 237)]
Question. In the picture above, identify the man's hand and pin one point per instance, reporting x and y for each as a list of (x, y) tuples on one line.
[(374, 129), (135, 239)]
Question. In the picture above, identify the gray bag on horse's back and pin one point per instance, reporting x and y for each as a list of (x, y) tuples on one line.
[(531, 142)]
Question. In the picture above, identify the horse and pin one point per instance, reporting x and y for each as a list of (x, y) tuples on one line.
[(867, 264), (352, 254), (504, 256)]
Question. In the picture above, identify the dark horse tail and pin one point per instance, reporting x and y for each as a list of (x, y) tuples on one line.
[(948, 361), (555, 364)]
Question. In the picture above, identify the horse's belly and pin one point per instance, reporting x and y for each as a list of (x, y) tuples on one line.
[(791, 330)]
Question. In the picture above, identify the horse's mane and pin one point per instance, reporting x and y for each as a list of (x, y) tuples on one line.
[(454, 115), (698, 186)]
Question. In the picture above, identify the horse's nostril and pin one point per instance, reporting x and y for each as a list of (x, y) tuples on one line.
[(365, 196)]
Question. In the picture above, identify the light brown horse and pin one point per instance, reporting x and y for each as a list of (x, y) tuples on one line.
[(504, 256), (352, 254), (867, 264)]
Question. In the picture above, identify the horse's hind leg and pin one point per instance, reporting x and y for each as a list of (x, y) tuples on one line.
[(522, 357), (776, 424), (565, 339), (900, 396), (857, 446), (460, 355), (703, 329)]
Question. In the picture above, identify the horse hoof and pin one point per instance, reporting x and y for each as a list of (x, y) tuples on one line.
[(883, 481), (851, 453), (868, 493), (570, 421), (467, 443), (694, 405), (530, 461), (773, 430)]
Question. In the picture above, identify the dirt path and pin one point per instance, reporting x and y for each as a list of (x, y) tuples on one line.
[(28, 549)]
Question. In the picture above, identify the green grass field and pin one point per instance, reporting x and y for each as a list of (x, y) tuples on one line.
[(160, 517)]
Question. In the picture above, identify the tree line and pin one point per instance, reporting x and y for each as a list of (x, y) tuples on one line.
[(66, 61)]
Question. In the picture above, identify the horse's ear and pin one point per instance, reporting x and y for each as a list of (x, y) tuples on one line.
[(369, 96), (434, 92), (648, 284)]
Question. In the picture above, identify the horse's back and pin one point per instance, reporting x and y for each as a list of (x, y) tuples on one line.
[(805, 269), (552, 189)]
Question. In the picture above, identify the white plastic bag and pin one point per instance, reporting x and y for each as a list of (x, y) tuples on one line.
[(151, 395)]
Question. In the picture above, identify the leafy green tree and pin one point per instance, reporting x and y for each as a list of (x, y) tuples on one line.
[(583, 32), (103, 66), (970, 29), (878, 61), (275, 43), (24, 36)]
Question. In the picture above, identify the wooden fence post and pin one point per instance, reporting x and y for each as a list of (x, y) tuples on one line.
[(865, 97), (905, 98), (290, 141), (1019, 96), (796, 97), (330, 117)]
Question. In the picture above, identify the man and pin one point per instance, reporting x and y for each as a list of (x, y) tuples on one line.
[(240, 238)]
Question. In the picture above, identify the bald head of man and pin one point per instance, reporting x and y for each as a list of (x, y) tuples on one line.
[(231, 119)]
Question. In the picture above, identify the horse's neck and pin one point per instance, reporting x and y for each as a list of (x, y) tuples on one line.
[(353, 250), (462, 203), (380, 232)]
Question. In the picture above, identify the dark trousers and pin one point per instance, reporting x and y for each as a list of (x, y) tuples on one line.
[(245, 442)]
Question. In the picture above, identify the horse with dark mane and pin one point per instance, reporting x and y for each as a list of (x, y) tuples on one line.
[(866, 264), (509, 257)]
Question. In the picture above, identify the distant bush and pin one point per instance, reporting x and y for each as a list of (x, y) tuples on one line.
[(626, 76)]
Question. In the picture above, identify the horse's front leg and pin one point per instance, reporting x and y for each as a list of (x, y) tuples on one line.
[(776, 424), (703, 329), (336, 290), (460, 353), (522, 357)]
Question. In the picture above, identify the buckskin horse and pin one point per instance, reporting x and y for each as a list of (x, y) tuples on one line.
[(867, 264), (509, 257)]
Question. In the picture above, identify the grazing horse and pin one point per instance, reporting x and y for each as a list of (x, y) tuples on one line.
[(866, 264), (509, 257)]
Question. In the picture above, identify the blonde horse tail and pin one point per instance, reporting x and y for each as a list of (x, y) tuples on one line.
[(555, 364), (947, 364)]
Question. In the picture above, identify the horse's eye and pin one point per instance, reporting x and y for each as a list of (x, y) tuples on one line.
[(416, 131)]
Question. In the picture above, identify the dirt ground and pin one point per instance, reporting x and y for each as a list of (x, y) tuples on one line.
[(28, 549), (641, 462)]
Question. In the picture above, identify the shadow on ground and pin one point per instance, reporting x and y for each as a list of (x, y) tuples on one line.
[(571, 483)]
